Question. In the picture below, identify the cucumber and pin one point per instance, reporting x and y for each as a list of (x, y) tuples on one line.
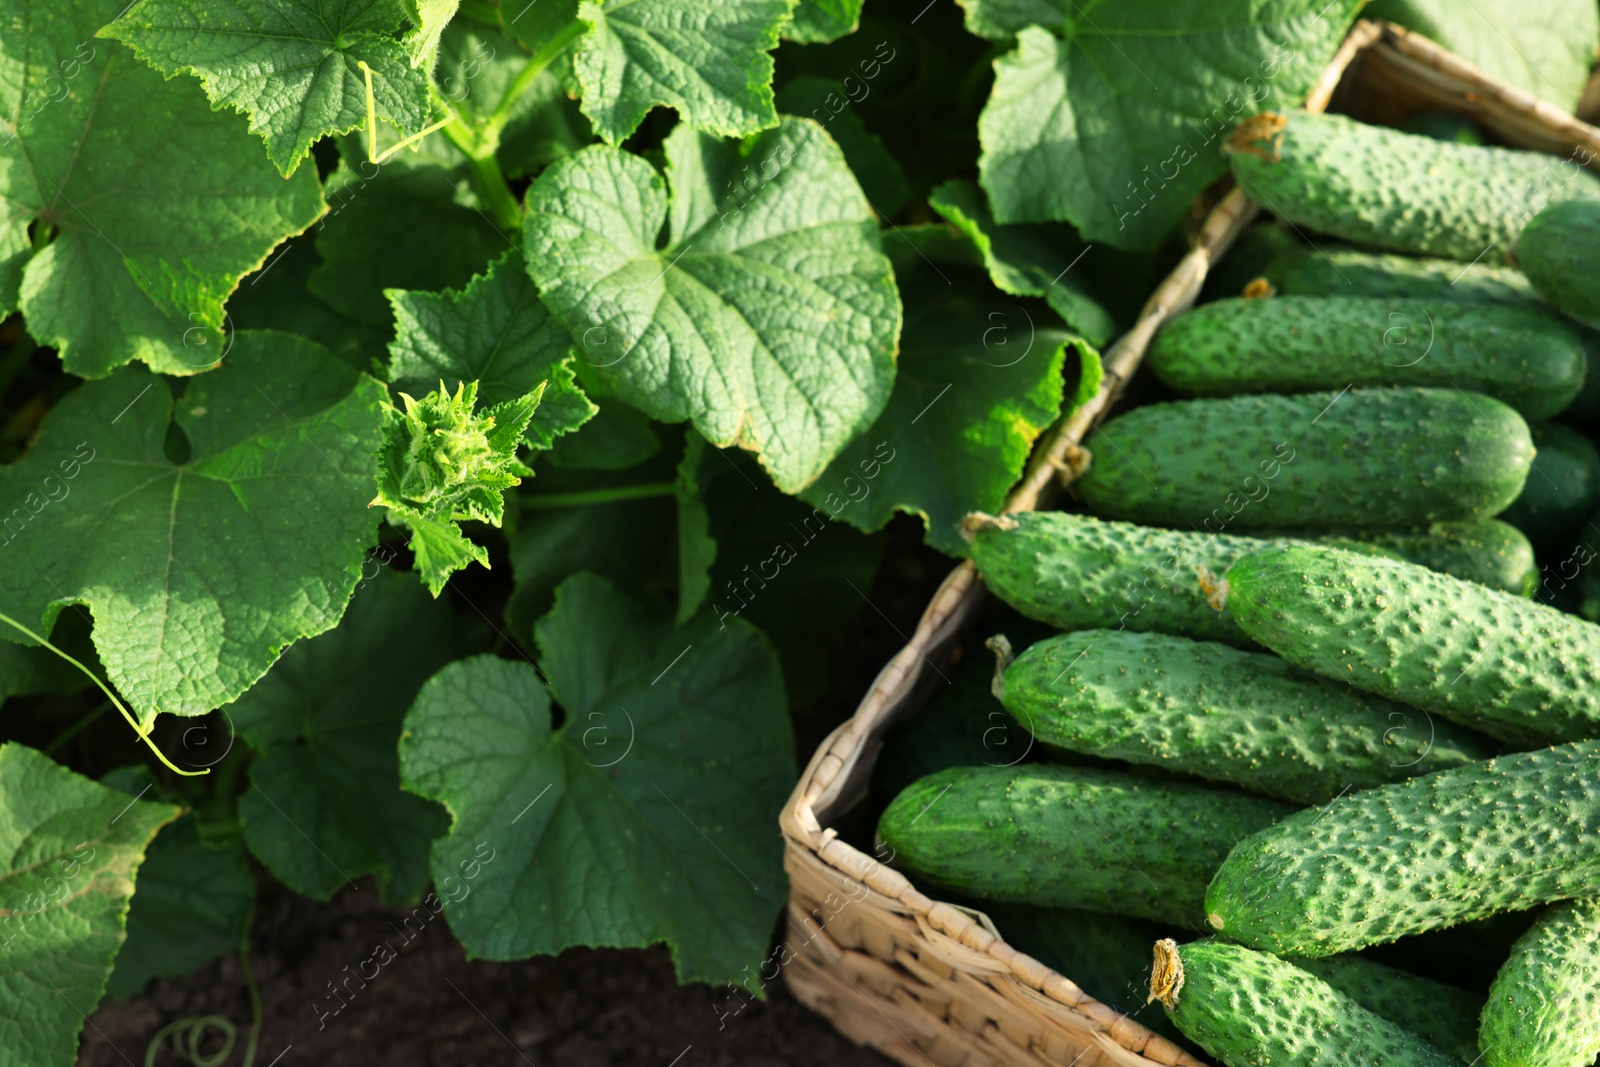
[(1563, 487), (1360, 457), (1446, 848), (1249, 1009), (1511, 667), (1487, 551), (1444, 126), (1445, 1015), (1395, 190), (1078, 837), (1201, 708), (1294, 344), (1256, 249), (1544, 1006), (1585, 407), (1076, 572), (1349, 272), (1106, 956), (1559, 251)]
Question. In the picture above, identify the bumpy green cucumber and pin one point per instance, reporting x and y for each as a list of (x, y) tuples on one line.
[(1106, 956), (1526, 357), (1544, 1006), (1202, 708), (1444, 126), (1076, 572), (1360, 457), (1249, 1009), (1563, 486), (1448, 847), (1348, 272), (1445, 1015), (1487, 551), (1395, 190), (1511, 667), (1077, 837), (1559, 251)]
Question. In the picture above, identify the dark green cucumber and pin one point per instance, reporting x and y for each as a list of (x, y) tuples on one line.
[(1349, 272), (1249, 1009), (1444, 126), (1487, 551), (1076, 572), (1251, 255), (1524, 356), (1076, 837), (1106, 956), (1559, 251), (1360, 457), (1563, 487), (1443, 849), (1444, 1015), (1585, 407), (1508, 666), (1394, 190), (1202, 708), (1544, 1006)]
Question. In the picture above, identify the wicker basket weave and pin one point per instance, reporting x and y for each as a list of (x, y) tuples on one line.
[(929, 983)]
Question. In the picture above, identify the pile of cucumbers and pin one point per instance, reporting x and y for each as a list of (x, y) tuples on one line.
[(1323, 683)]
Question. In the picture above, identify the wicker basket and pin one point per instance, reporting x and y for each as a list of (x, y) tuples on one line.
[(929, 983)]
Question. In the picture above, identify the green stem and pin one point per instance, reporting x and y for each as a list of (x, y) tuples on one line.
[(477, 9), (255, 1005), (42, 233), (77, 728), (489, 179), (530, 72), (599, 496)]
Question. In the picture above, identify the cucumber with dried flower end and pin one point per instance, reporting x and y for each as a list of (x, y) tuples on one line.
[(1394, 190), (1357, 457), (1445, 1015), (1524, 356), (1202, 708), (1351, 272), (1071, 837), (1077, 572), (1563, 487), (1249, 1009), (1487, 551), (1443, 849), (1544, 1005), (1510, 667), (1559, 251)]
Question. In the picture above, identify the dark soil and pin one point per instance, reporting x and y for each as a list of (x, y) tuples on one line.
[(431, 1007)]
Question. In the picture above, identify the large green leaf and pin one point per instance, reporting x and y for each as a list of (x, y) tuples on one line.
[(1113, 120), (646, 817), (194, 899), (292, 66), (770, 317), (198, 572), (1546, 50), (709, 61), (324, 804), (980, 379), (494, 332), (157, 205), (71, 849)]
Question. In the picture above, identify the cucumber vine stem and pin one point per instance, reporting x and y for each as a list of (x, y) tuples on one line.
[(599, 496), (488, 178), (528, 74)]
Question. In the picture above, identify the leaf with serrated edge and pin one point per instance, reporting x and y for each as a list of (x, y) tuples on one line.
[(1116, 125), (494, 332), (159, 206), (980, 380), (768, 321), (324, 803), (197, 574), (292, 66), (72, 848), (645, 818), (709, 61)]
